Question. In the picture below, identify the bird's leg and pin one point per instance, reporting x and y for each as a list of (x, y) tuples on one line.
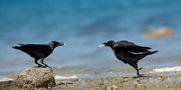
[(36, 61), (135, 66), (44, 63), (137, 69)]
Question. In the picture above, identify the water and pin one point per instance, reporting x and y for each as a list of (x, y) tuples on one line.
[(83, 25)]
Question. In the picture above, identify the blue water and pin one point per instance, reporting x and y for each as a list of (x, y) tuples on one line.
[(83, 25)]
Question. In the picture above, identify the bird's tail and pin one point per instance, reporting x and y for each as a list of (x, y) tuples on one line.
[(140, 56), (16, 47), (20, 44), (151, 52)]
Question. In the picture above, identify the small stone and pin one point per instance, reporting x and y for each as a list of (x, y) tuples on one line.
[(140, 85), (114, 87), (108, 88), (36, 78)]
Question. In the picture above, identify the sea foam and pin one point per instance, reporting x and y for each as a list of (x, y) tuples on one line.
[(167, 69), (4, 78), (65, 77)]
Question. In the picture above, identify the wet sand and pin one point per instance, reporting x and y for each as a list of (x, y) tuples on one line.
[(152, 81)]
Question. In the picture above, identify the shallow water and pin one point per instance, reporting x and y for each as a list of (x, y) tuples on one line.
[(83, 25)]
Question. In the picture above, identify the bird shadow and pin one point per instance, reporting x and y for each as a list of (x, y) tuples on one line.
[(140, 76)]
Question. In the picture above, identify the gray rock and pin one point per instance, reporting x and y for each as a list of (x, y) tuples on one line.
[(36, 78)]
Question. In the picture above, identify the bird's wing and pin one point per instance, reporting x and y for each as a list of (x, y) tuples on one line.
[(129, 46), (32, 49)]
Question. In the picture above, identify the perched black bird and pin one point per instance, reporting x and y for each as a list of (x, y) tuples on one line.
[(39, 51), (129, 52)]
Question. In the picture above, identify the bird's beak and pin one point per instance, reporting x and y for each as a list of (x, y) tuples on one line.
[(61, 44), (102, 45)]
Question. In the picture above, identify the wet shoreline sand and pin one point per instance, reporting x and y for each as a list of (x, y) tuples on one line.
[(151, 81)]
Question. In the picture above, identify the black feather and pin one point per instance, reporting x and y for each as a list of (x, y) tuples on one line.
[(129, 52), (38, 51)]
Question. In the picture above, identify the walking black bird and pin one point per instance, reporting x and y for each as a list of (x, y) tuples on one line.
[(39, 51), (129, 52)]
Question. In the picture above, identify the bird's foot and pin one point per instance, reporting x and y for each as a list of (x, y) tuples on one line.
[(38, 66), (140, 68), (139, 75), (46, 66)]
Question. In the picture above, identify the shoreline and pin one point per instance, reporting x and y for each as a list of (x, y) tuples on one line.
[(151, 81)]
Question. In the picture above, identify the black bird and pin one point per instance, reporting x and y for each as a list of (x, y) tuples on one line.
[(129, 52), (39, 51)]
